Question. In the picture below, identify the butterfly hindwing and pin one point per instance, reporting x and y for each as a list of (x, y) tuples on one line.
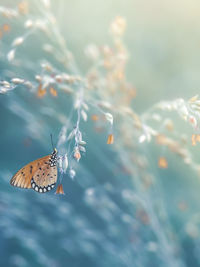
[(45, 178)]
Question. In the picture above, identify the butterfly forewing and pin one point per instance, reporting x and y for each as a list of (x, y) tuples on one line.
[(40, 175)]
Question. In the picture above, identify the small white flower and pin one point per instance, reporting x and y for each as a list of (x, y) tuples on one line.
[(38, 78), (65, 163), (82, 142), (11, 55), (82, 148), (104, 104), (85, 106), (58, 78), (3, 90), (17, 81), (5, 84), (84, 115), (28, 24), (28, 84), (18, 41), (142, 138), (60, 163), (72, 173), (78, 137), (109, 117)]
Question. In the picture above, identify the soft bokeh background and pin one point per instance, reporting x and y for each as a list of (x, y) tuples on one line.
[(101, 221), (162, 38)]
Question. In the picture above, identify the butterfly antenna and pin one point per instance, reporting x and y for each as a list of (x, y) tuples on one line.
[(52, 141)]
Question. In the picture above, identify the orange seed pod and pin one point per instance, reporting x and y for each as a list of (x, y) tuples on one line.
[(41, 92), (53, 91), (23, 7), (193, 140), (110, 139), (94, 117), (162, 163), (6, 28), (77, 155), (60, 190)]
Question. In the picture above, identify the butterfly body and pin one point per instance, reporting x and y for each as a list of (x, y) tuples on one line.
[(40, 175)]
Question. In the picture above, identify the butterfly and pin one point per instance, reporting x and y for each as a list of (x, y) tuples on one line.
[(39, 175)]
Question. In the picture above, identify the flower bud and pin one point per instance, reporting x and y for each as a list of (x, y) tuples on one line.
[(65, 163)]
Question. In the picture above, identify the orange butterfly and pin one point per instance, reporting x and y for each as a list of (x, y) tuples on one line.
[(40, 174)]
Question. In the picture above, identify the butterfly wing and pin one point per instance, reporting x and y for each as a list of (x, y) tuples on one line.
[(24, 176), (45, 178)]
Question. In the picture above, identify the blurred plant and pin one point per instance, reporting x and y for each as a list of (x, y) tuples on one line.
[(104, 88)]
